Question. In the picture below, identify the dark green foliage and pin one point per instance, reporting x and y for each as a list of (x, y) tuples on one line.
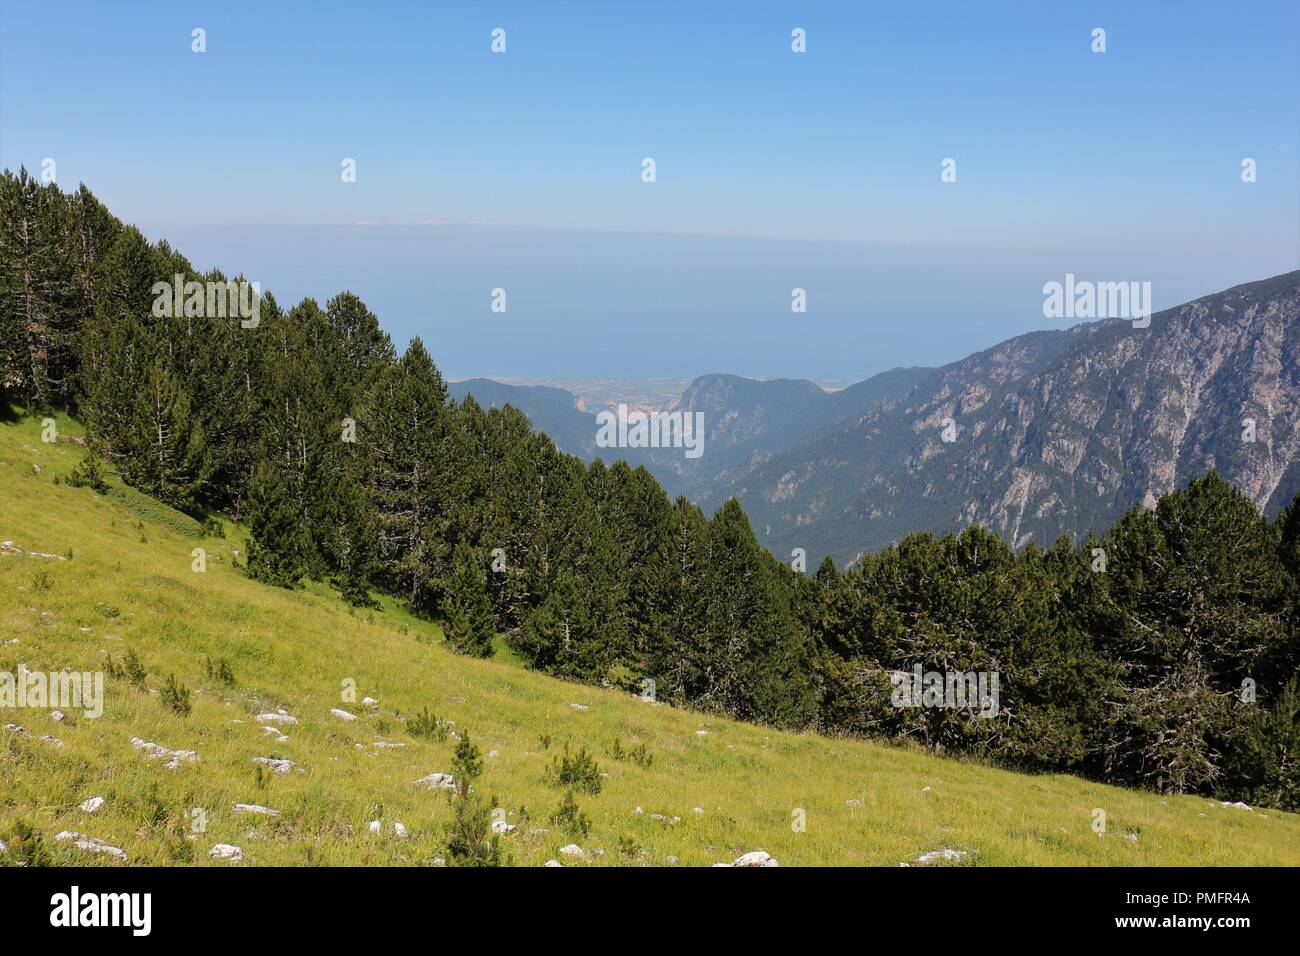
[(219, 670), (639, 755), (88, 473), (470, 840), (25, 846), (131, 669), (1132, 674), (427, 726), (577, 771), (175, 697), (277, 550), (467, 609), (570, 818)]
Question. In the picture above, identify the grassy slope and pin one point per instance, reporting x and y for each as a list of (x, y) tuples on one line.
[(295, 649)]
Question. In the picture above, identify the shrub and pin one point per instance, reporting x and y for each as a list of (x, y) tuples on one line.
[(88, 473), (577, 771), (176, 697), (570, 818), (426, 725), (25, 847), (470, 840), (219, 670)]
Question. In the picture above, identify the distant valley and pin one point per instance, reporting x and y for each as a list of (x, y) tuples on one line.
[(1055, 432)]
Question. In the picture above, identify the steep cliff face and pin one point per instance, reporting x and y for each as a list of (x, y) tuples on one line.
[(1055, 432)]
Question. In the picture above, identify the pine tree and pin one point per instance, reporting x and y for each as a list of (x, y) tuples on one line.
[(469, 622), (405, 425), (275, 550)]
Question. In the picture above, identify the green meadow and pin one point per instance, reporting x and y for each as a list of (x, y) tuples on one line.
[(90, 578)]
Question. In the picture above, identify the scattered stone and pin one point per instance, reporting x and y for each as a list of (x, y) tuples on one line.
[(500, 826), (572, 850), (3, 846), (342, 714), (493, 753), (1238, 805), (58, 715), (755, 858), (157, 752), (926, 859), (388, 744), (1131, 837), (254, 808), (52, 740), (279, 765), (701, 733), (853, 803), (11, 642), (225, 851), (925, 789), (552, 863), (369, 702), (273, 732), (578, 706), (399, 830), (93, 804), (375, 826), (279, 717), (673, 861), (698, 811), (638, 810), (90, 844), (437, 781)]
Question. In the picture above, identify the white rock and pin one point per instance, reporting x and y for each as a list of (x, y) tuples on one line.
[(375, 826), (156, 752), (701, 733), (225, 851), (493, 753), (90, 844), (369, 702), (755, 858), (572, 850), (399, 830), (552, 863), (254, 808), (1238, 805), (925, 859), (3, 846), (342, 714), (277, 764), (276, 718), (500, 826), (698, 811), (58, 715), (578, 706), (437, 781), (93, 804)]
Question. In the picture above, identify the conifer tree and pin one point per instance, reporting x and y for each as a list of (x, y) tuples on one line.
[(467, 609), (276, 552)]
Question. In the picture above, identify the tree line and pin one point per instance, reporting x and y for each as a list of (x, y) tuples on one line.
[(1162, 653)]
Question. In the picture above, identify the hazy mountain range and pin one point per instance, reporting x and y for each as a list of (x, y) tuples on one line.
[(1055, 432)]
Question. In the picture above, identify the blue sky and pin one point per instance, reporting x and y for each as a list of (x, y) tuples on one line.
[(774, 169)]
